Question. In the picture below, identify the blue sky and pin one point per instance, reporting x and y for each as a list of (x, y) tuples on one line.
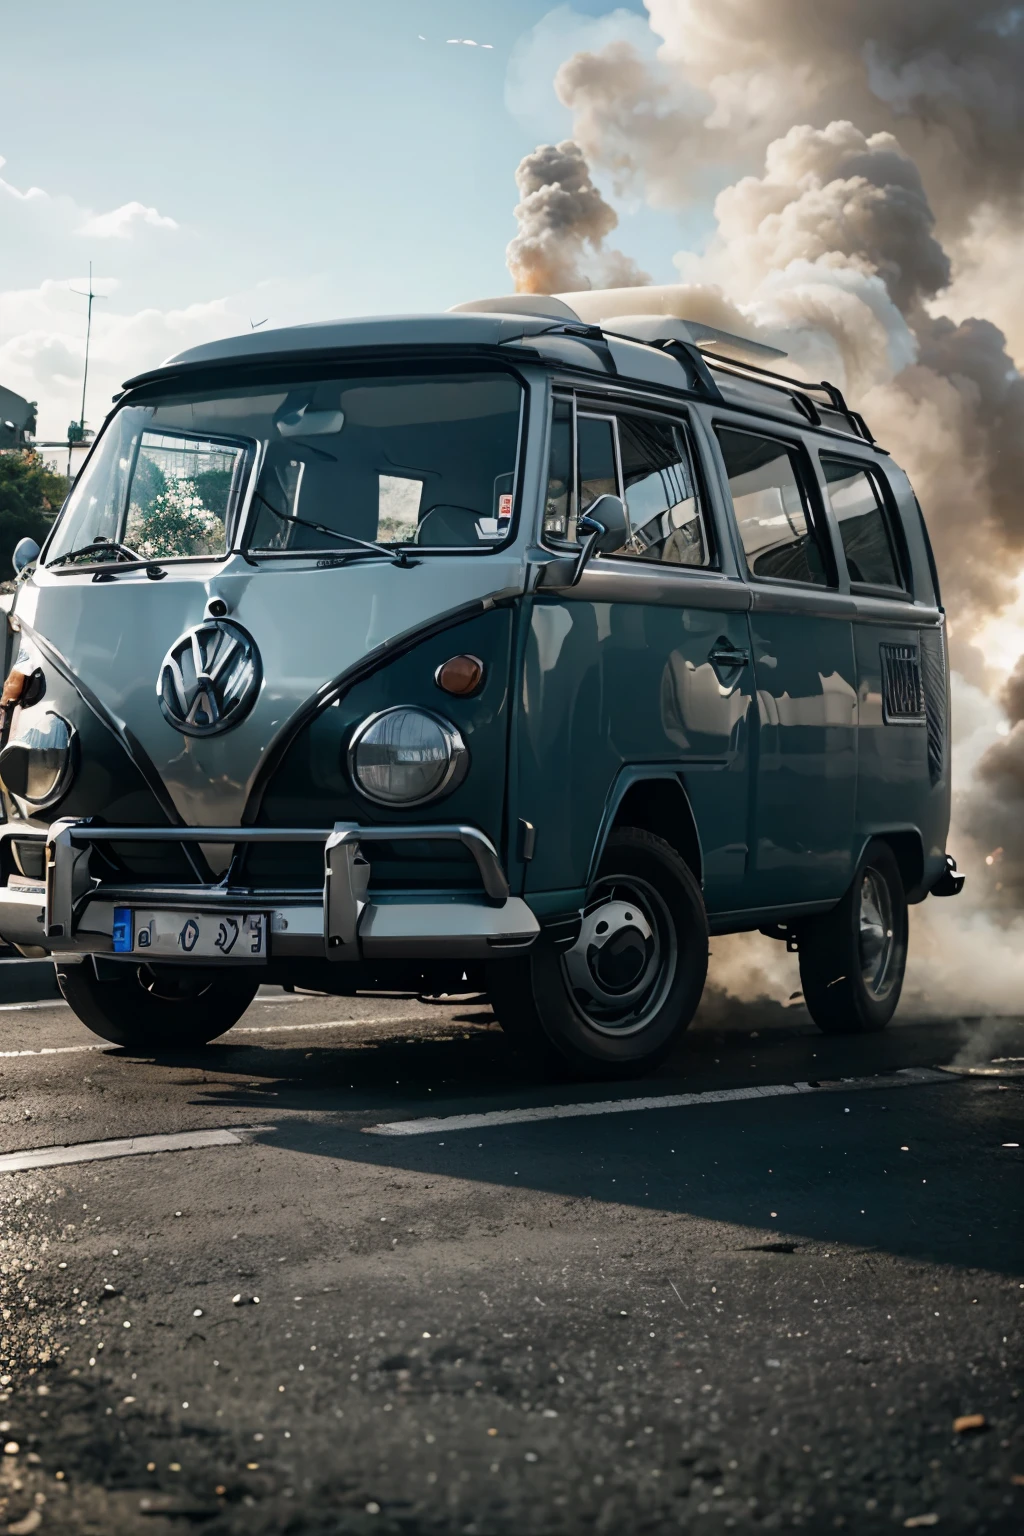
[(291, 161)]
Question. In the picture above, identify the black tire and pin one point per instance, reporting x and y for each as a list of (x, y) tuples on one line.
[(154, 1009), (554, 1004), (853, 959)]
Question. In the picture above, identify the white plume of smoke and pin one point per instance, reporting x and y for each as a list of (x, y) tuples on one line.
[(884, 151), (731, 75), (836, 196), (835, 249), (563, 224)]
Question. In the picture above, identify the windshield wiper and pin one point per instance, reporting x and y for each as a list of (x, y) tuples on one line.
[(100, 546), (396, 556)]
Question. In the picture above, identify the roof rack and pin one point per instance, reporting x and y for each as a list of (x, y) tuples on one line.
[(800, 392), (655, 329), (667, 331), (671, 333)]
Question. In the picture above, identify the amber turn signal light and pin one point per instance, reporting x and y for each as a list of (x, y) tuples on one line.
[(14, 686), (460, 675)]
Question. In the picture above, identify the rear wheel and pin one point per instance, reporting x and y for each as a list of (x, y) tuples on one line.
[(616, 1002), (853, 959), (152, 1008)]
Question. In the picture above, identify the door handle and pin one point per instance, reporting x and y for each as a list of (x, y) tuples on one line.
[(727, 656)]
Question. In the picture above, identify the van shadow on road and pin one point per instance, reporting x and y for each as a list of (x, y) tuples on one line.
[(826, 1168)]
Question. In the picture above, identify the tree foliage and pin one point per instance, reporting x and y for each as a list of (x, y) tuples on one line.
[(214, 488), (174, 522), (30, 497)]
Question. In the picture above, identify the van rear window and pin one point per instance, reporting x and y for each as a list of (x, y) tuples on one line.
[(863, 525), (775, 528)]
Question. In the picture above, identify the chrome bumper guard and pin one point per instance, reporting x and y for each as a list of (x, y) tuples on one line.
[(73, 914)]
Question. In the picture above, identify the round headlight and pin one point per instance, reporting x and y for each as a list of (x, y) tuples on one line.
[(37, 765), (406, 756)]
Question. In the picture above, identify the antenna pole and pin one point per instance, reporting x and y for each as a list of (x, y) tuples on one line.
[(88, 334), (76, 431)]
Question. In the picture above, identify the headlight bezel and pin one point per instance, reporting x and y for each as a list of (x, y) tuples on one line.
[(455, 770)]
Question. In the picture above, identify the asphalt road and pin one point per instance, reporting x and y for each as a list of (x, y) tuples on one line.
[(749, 1313)]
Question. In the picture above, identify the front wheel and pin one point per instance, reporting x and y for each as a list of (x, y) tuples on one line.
[(617, 1001), (154, 1008), (852, 960)]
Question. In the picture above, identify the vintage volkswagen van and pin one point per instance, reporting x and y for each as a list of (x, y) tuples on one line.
[(518, 647)]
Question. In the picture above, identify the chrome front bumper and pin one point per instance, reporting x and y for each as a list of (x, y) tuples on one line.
[(72, 914)]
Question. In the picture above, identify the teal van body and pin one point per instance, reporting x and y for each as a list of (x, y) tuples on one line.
[(563, 590)]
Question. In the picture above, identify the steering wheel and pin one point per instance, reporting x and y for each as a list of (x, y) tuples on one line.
[(443, 506)]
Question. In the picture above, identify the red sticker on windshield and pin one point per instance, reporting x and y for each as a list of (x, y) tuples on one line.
[(504, 508)]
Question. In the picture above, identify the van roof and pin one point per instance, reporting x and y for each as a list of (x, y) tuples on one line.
[(663, 350), (331, 336)]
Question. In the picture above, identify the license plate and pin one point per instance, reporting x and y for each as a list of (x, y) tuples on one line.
[(190, 935)]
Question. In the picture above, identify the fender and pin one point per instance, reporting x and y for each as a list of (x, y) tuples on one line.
[(651, 796), (336, 688), (917, 872), (132, 748)]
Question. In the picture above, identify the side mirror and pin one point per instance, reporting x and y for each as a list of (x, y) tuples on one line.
[(605, 526), (25, 551)]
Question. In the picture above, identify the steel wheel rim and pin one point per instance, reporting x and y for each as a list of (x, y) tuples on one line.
[(876, 935), (618, 978)]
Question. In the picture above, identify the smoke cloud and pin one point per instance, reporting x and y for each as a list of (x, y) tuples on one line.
[(832, 253), (563, 224), (835, 196), (882, 152), (731, 75)]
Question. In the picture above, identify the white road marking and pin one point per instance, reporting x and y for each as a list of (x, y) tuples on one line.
[(130, 1146), (186, 1141), (909, 1077), (279, 1029), (239, 1029), (992, 1071), (50, 1002), (58, 1050)]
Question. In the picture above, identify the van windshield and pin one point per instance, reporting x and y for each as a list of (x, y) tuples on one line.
[(312, 466)]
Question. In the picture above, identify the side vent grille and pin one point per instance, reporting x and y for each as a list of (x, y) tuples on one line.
[(902, 693), (933, 669)]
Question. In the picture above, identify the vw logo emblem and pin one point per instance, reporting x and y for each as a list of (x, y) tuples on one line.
[(209, 678)]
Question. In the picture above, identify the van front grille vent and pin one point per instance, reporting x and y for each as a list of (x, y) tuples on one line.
[(902, 693)]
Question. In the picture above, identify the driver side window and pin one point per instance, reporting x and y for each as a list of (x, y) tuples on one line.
[(665, 516), (646, 460), (582, 465)]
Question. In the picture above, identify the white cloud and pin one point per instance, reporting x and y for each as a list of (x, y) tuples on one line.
[(121, 223), (42, 346), (40, 222), (986, 277), (32, 194), (43, 323)]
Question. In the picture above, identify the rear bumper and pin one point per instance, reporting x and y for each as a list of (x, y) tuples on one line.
[(949, 882), (72, 914)]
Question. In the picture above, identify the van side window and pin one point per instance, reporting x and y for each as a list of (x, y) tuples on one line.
[(863, 525), (661, 493), (558, 497), (776, 530), (597, 468)]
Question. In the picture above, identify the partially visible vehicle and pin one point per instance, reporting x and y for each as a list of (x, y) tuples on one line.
[(17, 419), (521, 646)]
